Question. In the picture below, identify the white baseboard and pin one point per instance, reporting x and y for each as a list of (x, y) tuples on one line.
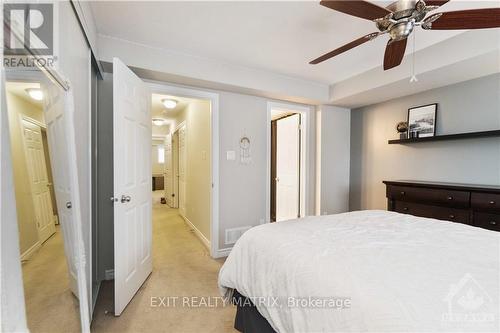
[(29, 252), (109, 274), (221, 253), (198, 233)]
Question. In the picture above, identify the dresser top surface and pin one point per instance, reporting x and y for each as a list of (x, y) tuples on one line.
[(444, 185)]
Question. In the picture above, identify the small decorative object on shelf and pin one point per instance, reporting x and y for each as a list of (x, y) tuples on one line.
[(422, 119), (402, 128)]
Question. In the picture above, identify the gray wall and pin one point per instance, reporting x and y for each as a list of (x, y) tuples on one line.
[(465, 107), (242, 189), (104, 206), (334, 149)]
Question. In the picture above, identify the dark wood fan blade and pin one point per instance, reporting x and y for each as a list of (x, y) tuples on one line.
[(484, 18), (363, 9), (436, 2), (394, 53), (344, 48)]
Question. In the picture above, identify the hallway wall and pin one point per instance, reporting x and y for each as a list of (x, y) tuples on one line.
[(28, 232), (198, 166)]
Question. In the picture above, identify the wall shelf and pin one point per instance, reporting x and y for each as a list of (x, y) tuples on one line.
[(471, 135)]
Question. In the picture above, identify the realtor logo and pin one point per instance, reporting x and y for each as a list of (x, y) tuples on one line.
[(28, 27), (468, 302)]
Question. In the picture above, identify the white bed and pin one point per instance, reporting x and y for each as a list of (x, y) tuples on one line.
[(399, 272)]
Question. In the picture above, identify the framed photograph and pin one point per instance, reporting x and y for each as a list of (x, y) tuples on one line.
[(422, 120)]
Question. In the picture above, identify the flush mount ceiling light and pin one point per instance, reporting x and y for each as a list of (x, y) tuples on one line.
[(169, 103), (35, 93), (158, 122)]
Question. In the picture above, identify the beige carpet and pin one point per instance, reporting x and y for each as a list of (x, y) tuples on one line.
[(181, 267), (50, 305)]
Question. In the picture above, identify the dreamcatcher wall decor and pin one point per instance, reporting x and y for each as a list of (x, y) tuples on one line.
[(245, 157)]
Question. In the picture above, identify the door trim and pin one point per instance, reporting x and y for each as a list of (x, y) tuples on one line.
[(166, 88), (304, 112)]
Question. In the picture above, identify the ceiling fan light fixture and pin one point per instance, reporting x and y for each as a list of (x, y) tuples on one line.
[(35, 93), (169, 103), (158, 122)]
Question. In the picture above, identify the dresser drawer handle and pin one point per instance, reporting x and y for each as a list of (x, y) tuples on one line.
[(452, 216), (403, 192), (492, 202), (405, 209), (450, 197), (493, 222)]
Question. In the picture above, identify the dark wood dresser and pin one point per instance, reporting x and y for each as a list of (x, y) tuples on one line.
[(476, 205)]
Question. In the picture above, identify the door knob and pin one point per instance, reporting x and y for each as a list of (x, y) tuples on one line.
[(125, 198)]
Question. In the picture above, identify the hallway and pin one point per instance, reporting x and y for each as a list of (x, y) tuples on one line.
[(181, 267)]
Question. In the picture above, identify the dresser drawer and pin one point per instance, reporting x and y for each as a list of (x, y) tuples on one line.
[(485, 201), (440, 213), (428, 195), (487, 221)]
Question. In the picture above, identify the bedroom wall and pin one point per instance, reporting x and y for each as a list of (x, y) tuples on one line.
[(464, 107), (334, 159), (242, 188)]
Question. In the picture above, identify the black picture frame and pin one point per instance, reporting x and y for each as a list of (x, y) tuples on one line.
[(426, 126)]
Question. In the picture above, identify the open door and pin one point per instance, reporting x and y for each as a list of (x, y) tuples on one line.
[(287, 167), (168, 170), (132, 183), (182, 170), (59, 110)]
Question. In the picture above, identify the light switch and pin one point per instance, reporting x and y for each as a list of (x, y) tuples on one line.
[(204, 155), (230, 155)]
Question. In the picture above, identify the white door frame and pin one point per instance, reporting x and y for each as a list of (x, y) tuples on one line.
[(304, 112), (168, 89)]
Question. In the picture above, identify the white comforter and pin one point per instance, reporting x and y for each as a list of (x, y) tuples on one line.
[(400, 273)]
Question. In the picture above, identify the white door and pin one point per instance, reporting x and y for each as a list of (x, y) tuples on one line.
[(132, 183), (59, 111), (39, 179), (182, 170), (175, 170), (168, 169), (57, 131), (287, 167)]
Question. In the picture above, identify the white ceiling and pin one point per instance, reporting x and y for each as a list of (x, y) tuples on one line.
[(281, 37), (19, 89), (160, 111)]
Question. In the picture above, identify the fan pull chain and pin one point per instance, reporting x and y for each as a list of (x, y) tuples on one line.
[(413, 75)]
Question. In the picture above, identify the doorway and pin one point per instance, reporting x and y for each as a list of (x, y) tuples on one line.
[(191, 157), (285, 167), (287, 161)]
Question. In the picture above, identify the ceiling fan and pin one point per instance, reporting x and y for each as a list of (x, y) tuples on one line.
[(400, 18)]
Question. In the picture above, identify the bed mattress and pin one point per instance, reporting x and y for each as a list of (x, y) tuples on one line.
[(368, 271)]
